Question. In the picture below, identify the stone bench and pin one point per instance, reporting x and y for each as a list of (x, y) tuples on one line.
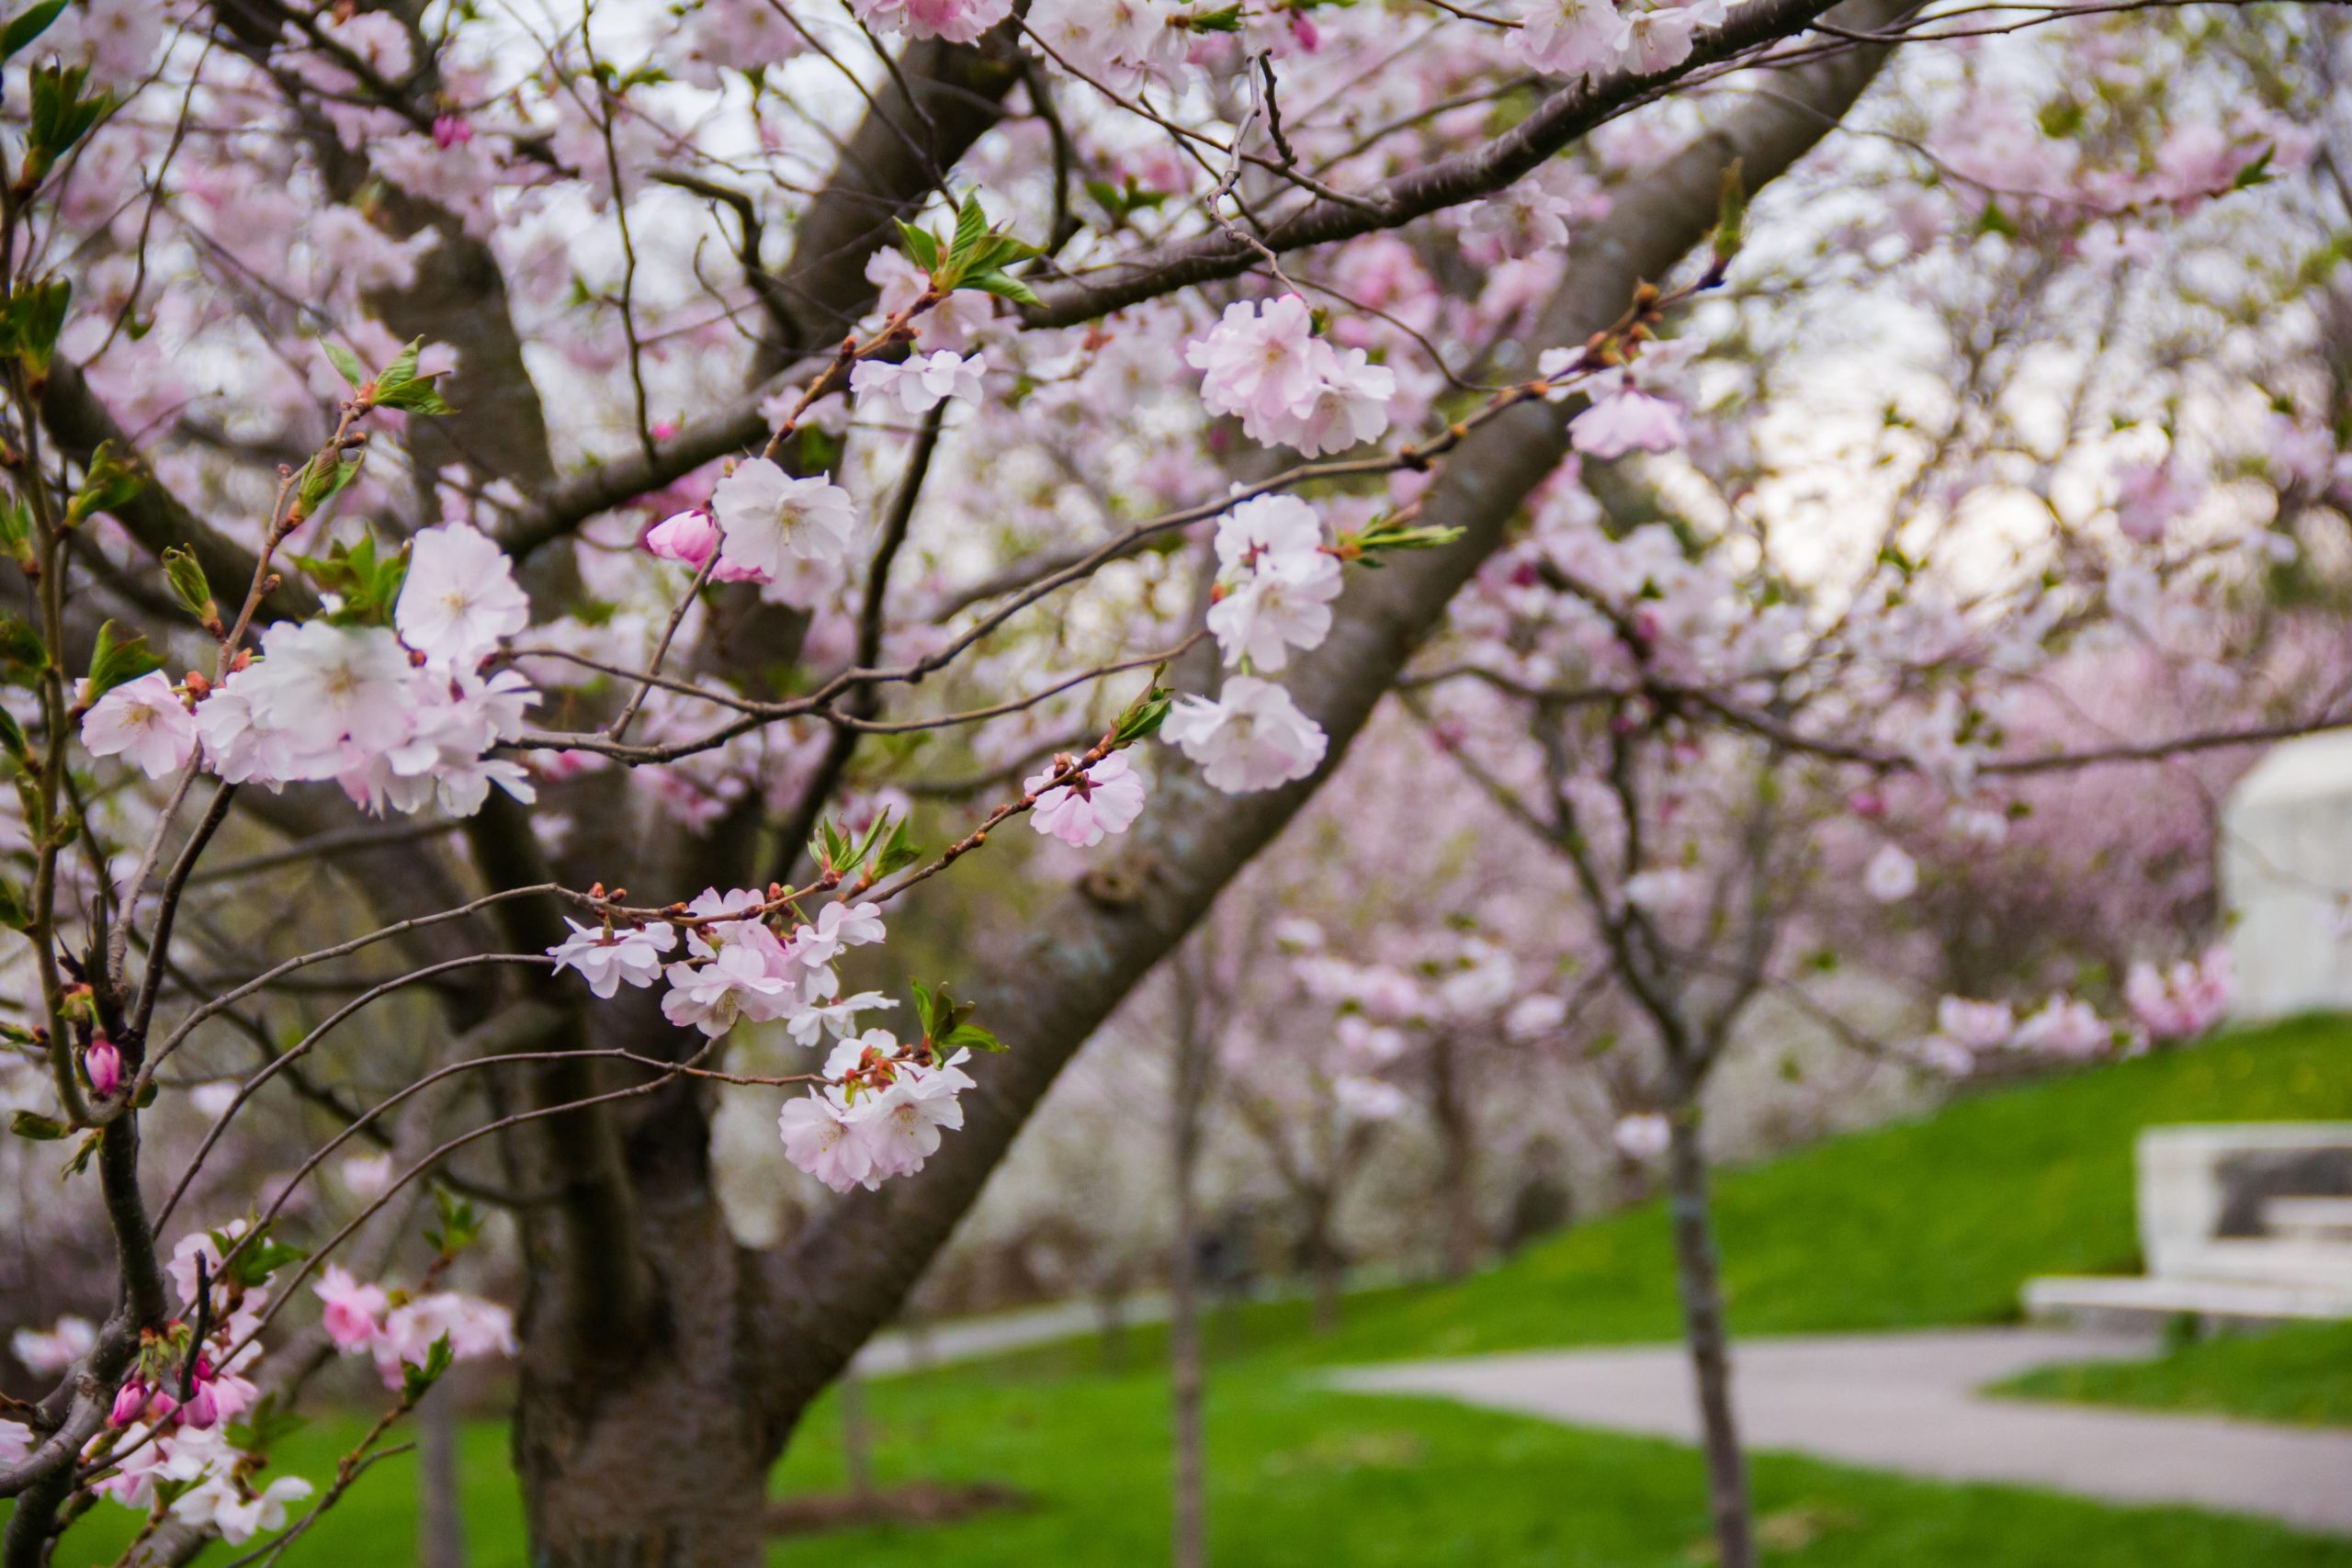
[(2238, 1224)]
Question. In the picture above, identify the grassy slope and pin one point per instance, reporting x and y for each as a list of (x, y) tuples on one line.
[(1931, 1222), (2301, 1374)]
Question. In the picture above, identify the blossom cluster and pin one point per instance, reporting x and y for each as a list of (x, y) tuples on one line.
[(172, 1438), (1592, 38), (1264, 366), (398, 715), (878, 1107), (2177, 1002)]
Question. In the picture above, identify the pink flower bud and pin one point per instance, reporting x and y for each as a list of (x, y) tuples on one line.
[(129, 1401), (449, 131), (103, 1063), (1304, 30), (663, 428), (1867, 802), (689, 537), (201, 1409)]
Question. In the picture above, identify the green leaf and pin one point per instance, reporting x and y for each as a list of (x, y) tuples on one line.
[(27, 25), (257, 1258), (321, 482), (39, 1128), (970, 1037), (12, 735), (108, 484), (30, 319), (1731, 213), (61, 116), (189, 585), (460, 1224), (1227, 20), (22, 656), (402, 369), (1142, 719), (366, 581), (971, 230), (346, 363), (16, 910), (2257, 172), (920, 245), (416, 1379), (1004, 285), (415, 397), (17, 531), (117, 659), (898, 850)]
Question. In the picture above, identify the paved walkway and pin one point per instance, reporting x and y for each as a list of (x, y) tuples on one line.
[(1908, 1402)]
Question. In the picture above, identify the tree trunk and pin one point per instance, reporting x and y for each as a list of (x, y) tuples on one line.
[(1702, 1323), (440, 1525), (1188, 1502), (1464, 1240), (644, 1439), (1323, 1269)]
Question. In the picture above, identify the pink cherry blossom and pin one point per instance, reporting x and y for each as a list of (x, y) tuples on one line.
[(1104, 799), (1250, 737), (608, 960), (1979, 1026), (819, 1139), (1644, 1135), (1627, 421), (771, 520), (145, 723), (920, 384), (460, 599)]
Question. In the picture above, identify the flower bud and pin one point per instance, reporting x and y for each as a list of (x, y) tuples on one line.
[(689, 537), (103, 1063), (129, 1401), (201, 1409)]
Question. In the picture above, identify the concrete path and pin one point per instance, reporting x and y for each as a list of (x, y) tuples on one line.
[(1908, 1402), (904, 1350)]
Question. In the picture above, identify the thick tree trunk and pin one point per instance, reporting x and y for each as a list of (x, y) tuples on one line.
[(1464, 1240), (440, 1524), (641, 1435), (1699, 1281)]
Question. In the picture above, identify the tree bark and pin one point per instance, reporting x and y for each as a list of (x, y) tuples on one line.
[(1463, 1239), (1186, 1375), (440, 1523), (1324, 1271), (649, 1451), (1699, 1280)]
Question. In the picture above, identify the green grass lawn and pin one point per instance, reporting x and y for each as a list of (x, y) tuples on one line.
[(2301, 1374), (1932, 1221)]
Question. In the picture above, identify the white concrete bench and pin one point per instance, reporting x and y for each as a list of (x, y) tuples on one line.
[(2309, 1219)]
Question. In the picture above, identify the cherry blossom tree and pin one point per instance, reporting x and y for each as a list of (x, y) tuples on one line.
[(546, 493)]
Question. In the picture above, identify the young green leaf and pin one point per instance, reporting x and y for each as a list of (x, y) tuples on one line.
[(109, 482), (116, 659), (27, 25), (346, 363)]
